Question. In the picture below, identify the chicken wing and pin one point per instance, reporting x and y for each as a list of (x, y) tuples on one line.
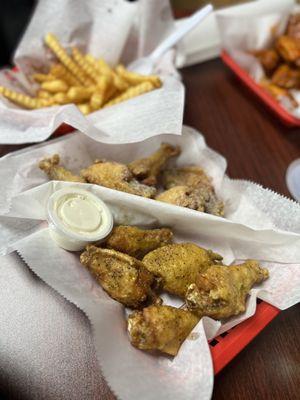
[(123, 277), (221, 291), (293, 28), (269, 59), (185, 176), (286, 77), (138, 242), (289, 48), (147, 169), (162, 328), (197, 198), (179, 265), (55, 172), (116, 176)]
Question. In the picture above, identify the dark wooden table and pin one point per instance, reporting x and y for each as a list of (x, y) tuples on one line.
[(260, 149)]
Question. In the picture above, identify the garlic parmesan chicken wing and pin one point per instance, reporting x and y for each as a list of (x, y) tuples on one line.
[(159, 327), (221, 291), (138, 242), (123, 277), (199, 199), (179, 265), (147, 169), (55, 172), (117, 176)]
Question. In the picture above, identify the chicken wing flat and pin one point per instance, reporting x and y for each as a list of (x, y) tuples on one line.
[(147, 169), (268, 58), (286, 77), (185, 176), (221, 291), (123, 277), (138, 242), (289, 48), (162, 328), (116, 176), (196, 198), (179, 265), (293, 28), (55, 172)]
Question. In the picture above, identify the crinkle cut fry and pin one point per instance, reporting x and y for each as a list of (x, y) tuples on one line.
[(131, 92), (24, 100), (53, 43)]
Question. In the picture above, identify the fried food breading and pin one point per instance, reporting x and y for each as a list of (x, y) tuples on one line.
[(289, 48), (116, 176), (293, 28), (268, 58), (221, 291), (138, 242), (147, 169), (162, 328), (185, 176), (124, 278), (55, 172), (197, 198), (286, 77), (179, 265)]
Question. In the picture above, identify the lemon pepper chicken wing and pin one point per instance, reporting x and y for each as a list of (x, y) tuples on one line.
[(200, 199), (221, 291), (268, 58), (185, 176), (159, 327), (179, 265), (286, 77), (123, 277), (55, 172), (147, 169), (138, 242), (116, 176)]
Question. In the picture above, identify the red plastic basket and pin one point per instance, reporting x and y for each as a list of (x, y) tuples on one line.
[(268, 100), (226, 346)]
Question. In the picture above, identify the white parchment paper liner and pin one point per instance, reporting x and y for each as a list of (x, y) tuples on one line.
[(241, 33), (115, 30)]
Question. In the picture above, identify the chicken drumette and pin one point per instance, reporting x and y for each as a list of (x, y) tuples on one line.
[(179, 265), (137, 242), (123, 277), (147, 169), (221, 291), (162, 328)]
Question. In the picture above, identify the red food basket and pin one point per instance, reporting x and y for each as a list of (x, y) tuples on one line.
[(226, 346), (268, 100)]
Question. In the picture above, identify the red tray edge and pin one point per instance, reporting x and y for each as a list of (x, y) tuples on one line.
[(238, 338), (270, 102)]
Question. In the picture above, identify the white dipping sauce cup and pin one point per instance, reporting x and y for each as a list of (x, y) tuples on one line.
[(77, 217)]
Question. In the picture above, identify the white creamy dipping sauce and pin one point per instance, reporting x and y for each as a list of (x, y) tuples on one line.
[(77, 217)]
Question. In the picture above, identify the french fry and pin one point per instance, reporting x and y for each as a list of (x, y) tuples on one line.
[(134, 79), (61, 98), (84, 108), (97, 100), (43, 94), (105, 69), (78, 94), (55, 86), (61, 54), (134, 91), (24, 100), (60, 71), (39, 78), (87, 67)]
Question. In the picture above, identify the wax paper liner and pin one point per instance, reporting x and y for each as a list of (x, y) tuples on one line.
[(115, 30), (245, 202), (133, 374), (242, 33)]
